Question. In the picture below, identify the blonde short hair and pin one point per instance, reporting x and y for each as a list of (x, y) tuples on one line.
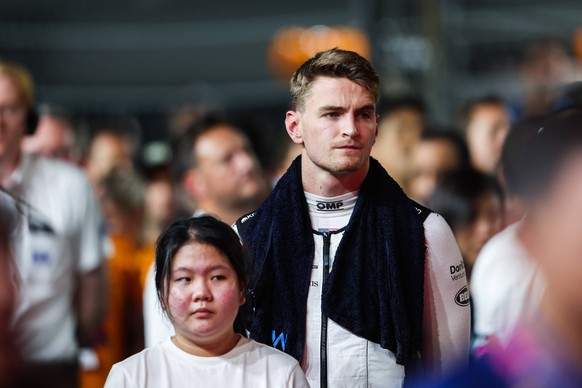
[(334, 63), (21, 78)]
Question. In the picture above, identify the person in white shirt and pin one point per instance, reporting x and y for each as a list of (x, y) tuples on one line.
[(201, 281), (508, 285), (58, 244), (351, 277)]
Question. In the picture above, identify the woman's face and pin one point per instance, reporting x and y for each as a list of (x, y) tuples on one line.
[(488, 222), (204, 295)]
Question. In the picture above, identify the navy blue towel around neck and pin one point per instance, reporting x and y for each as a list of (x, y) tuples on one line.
[(375, 288)]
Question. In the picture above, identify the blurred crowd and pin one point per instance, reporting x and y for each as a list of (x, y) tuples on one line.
[(100, 198)]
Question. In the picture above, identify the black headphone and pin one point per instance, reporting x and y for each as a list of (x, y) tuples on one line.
[(31, 121)]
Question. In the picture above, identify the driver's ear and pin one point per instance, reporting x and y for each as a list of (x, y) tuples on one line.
[(292, 124)]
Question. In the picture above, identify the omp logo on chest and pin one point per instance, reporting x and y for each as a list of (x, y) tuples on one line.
[(329, 206)]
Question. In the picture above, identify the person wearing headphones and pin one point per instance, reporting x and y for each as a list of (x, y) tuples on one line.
[(58, 245)]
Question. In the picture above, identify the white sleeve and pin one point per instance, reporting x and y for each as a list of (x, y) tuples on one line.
[(118, 378), (157, 326), (447, 314), (297, 378)]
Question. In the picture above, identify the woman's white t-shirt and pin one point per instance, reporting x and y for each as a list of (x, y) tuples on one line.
[(249, 364)]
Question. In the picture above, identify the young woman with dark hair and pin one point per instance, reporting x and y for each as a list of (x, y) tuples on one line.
[(201, 284)]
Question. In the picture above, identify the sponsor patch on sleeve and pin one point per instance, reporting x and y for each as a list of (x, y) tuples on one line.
[(457, 271), (462, 297)]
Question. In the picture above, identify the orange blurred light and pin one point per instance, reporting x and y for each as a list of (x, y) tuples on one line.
[(291, 46)]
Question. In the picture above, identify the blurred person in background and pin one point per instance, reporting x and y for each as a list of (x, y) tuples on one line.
[(122, 201), (546, 67), (161, 208), (485, 122), (547, 351), (472, 204), (10, 361), (180, 123), (507, 285), (402, 121), (161, 203), (218, 168), (58, 245), (114, 145), (55, 136), (436, 152)]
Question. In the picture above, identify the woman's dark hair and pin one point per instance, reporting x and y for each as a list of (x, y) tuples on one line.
[(204, 230), (456, 195)]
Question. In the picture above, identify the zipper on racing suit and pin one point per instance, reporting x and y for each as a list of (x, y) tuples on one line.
[(323, 350), (326, 234)]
